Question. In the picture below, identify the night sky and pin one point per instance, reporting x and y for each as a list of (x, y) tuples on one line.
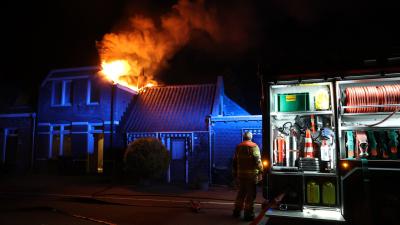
[(285, 36)]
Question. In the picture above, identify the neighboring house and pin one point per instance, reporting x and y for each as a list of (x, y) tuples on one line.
[(16, 141), (77, 112), (186, 118)]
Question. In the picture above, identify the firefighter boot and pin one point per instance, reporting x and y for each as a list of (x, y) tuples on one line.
[(248, 216), (236, 213)]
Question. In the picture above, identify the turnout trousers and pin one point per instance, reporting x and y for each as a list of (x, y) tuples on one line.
[(246, 195)]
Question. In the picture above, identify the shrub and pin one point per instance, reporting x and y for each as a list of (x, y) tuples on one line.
[(146, 159)]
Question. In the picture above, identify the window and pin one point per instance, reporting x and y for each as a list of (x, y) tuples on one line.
[(55, 146), (66, 148), (93, 94), (60, 141), (61, 94), (178, 149)]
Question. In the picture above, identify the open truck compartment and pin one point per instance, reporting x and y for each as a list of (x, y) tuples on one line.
[(320, 132)]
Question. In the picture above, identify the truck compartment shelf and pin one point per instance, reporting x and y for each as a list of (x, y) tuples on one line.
[(314, 214)]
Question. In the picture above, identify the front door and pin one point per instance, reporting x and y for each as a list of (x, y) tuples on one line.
[(11, 151), (178, 160), (99, 147), (179, 146), (95, 153)]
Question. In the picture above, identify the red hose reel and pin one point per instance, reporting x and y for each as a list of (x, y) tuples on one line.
[(372, 96)]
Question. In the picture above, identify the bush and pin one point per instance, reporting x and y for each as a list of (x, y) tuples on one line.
[(146, 159)]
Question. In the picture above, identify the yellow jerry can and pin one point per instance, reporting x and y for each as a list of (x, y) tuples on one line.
[(328, 193), (313, 192)]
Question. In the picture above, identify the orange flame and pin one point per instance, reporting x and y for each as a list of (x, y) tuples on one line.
[(114, 70), (120, 72), (134, 56)]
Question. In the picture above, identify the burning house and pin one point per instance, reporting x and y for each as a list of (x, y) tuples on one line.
[(78, 115), (78, 110)]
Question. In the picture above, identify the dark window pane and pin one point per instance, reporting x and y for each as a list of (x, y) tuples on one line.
[(178, 149), (56, 146), (57, 93), (94, 93), (67, 93), (67, 145)]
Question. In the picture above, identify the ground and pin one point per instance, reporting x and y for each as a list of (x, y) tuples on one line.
[(81, 200), (94, 200)]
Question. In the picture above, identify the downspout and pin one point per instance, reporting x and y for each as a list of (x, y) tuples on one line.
[(112, 125), (4, 145), (33, 140), (217, 109), (211, 152)]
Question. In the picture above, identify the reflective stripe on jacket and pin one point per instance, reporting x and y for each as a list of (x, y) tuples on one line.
[(247, 160)]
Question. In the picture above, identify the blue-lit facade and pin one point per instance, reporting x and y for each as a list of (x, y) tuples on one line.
[(227, 133), (77, 113), (83, 124), (17, 131), (198, 124)]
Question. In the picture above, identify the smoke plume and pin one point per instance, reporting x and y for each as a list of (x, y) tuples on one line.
[(147, 44)]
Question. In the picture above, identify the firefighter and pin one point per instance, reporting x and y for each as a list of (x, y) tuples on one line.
[(246, 169)]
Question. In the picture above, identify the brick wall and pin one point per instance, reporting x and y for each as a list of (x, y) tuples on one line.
[(23, 154), (226, 135), (199, 158)]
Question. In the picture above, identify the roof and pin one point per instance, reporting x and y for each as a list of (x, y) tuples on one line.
[(71, 73), (78, 73), (231, 108), (172, 108)]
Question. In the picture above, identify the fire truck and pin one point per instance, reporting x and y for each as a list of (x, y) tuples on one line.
[(331, 146)]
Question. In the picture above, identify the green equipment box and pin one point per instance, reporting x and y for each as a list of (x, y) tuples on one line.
[(293, 102)]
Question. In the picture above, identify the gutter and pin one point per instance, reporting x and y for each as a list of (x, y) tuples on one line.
[(236, 118)]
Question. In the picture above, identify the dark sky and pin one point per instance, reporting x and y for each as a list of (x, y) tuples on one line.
[(287, 35)]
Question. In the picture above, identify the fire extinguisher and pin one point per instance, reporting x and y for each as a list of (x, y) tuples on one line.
[(280, 149), (291, 149)]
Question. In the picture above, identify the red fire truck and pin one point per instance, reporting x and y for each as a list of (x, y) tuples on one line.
[(332, 146)]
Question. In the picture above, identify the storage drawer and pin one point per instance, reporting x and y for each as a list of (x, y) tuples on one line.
[(293, 102)]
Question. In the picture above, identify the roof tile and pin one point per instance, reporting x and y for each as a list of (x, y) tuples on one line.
[(172, 108)]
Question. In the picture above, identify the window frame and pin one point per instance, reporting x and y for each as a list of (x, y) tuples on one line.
[(89, 94), (63, 93), (62, 130)]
